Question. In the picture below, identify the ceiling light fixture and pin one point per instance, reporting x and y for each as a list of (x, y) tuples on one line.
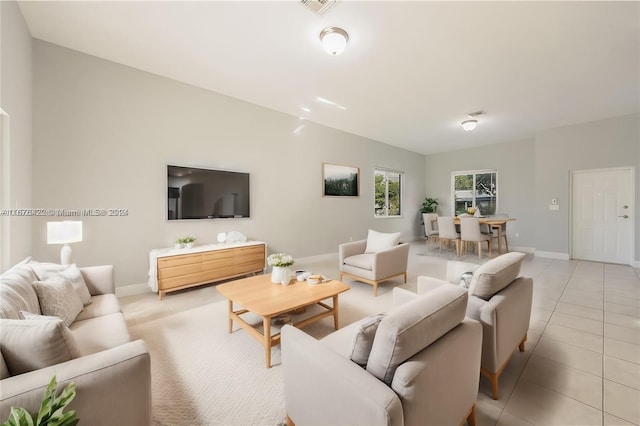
[(469, 125), (334, 40)]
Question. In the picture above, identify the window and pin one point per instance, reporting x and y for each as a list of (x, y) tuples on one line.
[(388, 202), (475, 189)]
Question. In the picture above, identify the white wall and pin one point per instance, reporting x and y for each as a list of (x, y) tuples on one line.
[(103, 134), (515, 182), (600, 144), (15, 100)]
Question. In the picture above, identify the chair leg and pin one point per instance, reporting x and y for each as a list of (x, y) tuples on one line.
[(521, 345), (471, 418), (479, 250), (375, 290), (458, 248), (505, 242)]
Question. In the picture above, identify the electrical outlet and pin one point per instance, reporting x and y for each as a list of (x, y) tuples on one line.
[(554, 207), (517, 234)]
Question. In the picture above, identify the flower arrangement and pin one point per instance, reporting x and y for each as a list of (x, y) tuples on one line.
[(280, 259)]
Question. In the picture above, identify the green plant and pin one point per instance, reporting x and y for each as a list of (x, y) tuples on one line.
[(185, 240), (429, 205), (50, 413)]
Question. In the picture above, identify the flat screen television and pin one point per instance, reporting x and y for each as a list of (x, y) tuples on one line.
[(194, 193)]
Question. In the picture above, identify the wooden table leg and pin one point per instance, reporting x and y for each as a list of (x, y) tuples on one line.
[(230, 305), (266, 322), (499, 239), (336, 320)]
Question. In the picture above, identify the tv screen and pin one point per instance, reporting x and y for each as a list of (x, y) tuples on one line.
[(194, 193)]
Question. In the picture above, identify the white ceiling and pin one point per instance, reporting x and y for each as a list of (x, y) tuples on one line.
[(411, 71)]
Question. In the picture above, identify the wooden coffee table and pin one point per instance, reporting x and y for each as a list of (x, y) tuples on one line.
[(259, 296)]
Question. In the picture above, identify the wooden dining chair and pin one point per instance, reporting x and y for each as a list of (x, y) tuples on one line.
[(447, 232), (503, 229), (470, 232)]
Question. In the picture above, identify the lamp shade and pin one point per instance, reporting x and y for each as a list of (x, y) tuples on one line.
[(64, 232), (334, 40)]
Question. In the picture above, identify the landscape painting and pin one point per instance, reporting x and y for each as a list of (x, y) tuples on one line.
[(340, 181)]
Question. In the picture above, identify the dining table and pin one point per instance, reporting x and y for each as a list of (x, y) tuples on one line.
[(496, 223)]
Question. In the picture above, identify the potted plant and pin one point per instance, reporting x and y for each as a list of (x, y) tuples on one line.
[(429, 205), (50, 413), (185, 242)]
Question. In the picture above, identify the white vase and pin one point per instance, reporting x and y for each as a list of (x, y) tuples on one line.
[(285, 278), (188, 245), (178, 245), (276, 274)]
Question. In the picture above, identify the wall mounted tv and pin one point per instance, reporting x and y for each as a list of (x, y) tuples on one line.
[(194, 193)]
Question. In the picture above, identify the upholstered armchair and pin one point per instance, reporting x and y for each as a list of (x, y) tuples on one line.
[(501, 300), (430, 226), (418, 364), (374, 263)]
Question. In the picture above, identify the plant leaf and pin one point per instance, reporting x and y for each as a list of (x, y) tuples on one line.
[(46, 411), (18, 417)]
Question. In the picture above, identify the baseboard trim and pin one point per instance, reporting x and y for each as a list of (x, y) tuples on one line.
[(132, 290), (523, 249), (552, 255), (635, 263)]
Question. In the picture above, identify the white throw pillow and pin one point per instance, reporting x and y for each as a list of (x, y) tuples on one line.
[(73, 274), (29, 345), (380, 241), (45, 269), (363, 340), (58, 298)]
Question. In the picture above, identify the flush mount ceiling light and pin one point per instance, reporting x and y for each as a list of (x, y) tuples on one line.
[(469, 125), (334, 40)]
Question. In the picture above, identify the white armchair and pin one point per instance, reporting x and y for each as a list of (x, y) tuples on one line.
[(422, 363), (373, 268), (501, 301)]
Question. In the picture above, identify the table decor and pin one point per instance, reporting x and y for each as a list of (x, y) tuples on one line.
[(280, 262)]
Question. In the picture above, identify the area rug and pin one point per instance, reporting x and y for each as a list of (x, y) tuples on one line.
[(202, 375)]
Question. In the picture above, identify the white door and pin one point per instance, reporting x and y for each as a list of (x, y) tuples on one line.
[(602, 215)]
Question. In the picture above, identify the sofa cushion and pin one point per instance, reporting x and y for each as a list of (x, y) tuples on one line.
[(413, 326), (69, 272), (380, 241), (363, 339), (100, 333), (29, 345), (4, 370), (17, 293), (57, 297), (362, 261), (495, 275), (104, 304)]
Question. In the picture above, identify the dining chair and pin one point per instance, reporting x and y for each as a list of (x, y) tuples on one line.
[(503, 229), (430, 226), (470, 232), (447, 232)]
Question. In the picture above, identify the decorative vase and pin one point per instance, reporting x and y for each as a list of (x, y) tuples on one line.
[(178, 245), (188, 245), (285, 278), (276, 274)]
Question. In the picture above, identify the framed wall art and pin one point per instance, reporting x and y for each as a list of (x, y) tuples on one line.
[(340, 181)]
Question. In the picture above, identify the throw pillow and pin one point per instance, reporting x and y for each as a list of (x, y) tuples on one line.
[(73, 274), (57, 297), (30, 316), (495, 275), (29, 345), (45, 269), (380, 241), (363, 340)]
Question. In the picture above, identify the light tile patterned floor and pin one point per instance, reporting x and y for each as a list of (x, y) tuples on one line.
[(581, 365)]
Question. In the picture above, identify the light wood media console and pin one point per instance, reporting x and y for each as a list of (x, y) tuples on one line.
[(177, 271)]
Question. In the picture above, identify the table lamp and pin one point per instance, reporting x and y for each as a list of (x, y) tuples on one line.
[(64, 232)]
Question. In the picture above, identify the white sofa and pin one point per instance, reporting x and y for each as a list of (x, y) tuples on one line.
[(112, 373), (420, 366)]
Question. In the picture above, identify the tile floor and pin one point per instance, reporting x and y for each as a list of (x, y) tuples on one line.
[(581, 365)]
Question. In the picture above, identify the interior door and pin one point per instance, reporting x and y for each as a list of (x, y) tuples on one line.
[(602, 215)]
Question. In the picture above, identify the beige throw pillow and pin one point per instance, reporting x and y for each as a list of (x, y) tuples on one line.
[(380, 241), (58, 298), (363, 340), (495, 275), (29, 345), (73, 274)]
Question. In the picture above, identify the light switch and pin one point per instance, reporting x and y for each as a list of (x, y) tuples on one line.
[(554, 201)]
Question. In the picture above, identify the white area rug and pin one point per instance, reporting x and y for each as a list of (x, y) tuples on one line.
[(202, 375)]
